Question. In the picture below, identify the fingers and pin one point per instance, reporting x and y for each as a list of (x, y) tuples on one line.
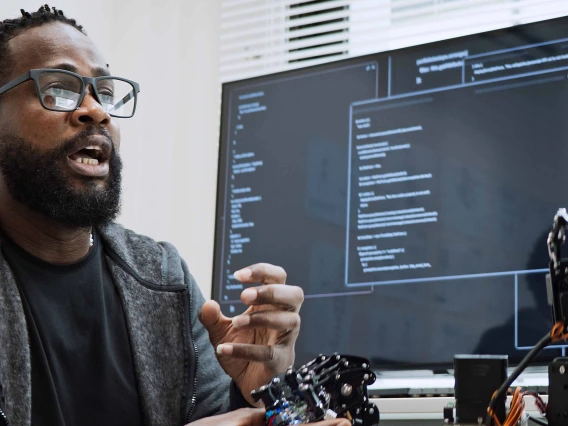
[(274, 320), (287, 296), (246, 417), (210, 314), (264, 273), (255, 353), (242, 417), (214, 321), (335, 422), (255, 417), (252, 417), (271, 293)]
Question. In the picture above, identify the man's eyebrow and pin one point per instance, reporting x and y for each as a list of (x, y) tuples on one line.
[(99, 72), (63, 66), (96, 72)]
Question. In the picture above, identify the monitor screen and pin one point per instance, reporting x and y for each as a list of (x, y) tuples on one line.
[(409, 193)]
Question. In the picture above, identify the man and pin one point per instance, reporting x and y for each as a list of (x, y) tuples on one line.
[(99, 325)]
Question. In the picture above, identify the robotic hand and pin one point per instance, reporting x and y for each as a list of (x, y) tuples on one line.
[(557, 279), (325, 388)]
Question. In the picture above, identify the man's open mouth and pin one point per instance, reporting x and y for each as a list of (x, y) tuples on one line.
[(89, 155), (92, 159)]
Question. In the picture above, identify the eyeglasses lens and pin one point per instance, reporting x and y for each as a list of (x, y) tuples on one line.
[(59, 91), (117, 97)]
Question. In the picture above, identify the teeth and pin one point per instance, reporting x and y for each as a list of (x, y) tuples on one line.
[(91, 161)]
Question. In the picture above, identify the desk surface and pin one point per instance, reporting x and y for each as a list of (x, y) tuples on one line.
[(426, 383), (427, 408), (426, 394)]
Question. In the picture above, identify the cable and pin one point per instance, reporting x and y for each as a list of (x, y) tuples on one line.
[(555, 335), (538, 421), (543, 343), (516, 409), (540, 404)]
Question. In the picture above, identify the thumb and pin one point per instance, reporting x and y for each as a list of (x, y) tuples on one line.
[(214, 321)]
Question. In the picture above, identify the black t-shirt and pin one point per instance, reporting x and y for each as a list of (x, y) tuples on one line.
[(82, 367)]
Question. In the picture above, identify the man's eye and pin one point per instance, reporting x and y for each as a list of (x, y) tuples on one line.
[(106, 99), (58, 91)]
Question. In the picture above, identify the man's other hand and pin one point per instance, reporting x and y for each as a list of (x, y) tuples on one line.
[(253, 417), (255, 346), (242, 417)]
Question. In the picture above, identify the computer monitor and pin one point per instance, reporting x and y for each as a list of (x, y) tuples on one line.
[(409, 193)]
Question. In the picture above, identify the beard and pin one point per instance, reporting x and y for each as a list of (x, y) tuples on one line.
[(39, 180)]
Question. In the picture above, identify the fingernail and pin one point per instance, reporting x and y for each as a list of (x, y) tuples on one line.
[(243, 274), (241, 320), (248, 295), (224, 349)]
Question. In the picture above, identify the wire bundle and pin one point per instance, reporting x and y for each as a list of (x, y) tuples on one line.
[(515, 411), (518, 404)]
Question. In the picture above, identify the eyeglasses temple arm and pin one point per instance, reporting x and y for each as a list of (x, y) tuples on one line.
[(17, 81), (128, 96)]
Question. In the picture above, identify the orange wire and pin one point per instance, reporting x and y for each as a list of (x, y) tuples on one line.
[(512, 409), (557, 332), (518, 403), (516, 409), (491, 412)]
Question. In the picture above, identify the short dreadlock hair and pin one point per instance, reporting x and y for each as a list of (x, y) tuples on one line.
[(10, 28)]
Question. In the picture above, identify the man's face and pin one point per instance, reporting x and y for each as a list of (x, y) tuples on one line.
[(43, 161)]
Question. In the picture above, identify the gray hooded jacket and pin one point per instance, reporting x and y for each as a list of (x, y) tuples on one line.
[(178, 376)]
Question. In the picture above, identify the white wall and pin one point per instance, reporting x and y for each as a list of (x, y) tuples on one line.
[(89, 15), (170, 147)]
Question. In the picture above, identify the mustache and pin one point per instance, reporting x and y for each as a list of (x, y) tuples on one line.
[(75, 143)]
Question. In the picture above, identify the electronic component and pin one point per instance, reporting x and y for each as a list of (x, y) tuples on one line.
[(449, 413), (557, 290), (325, 388), (477, 377), (557, 408), (557, 279)]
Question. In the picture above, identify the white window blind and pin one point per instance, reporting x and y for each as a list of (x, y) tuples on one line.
[(264, 36)]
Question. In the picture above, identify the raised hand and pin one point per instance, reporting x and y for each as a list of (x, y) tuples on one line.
[(257, 345)]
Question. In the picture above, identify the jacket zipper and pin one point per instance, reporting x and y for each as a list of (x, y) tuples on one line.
[(127, 268), (3, 418), (196, 354)]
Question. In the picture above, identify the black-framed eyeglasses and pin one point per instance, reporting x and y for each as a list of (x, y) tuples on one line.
[(64, 91)]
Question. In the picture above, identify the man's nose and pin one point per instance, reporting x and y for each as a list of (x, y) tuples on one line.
[(90, 111)]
